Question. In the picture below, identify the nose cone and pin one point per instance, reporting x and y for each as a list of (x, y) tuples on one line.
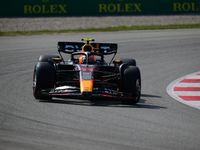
[(86, 86)]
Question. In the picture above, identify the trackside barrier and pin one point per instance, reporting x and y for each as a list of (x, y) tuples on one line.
[(38, 8)]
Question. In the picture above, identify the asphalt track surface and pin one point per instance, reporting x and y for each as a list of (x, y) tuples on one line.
[(156, 122)]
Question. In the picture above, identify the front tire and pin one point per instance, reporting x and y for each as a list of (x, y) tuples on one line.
[(43, 78), (131, 83)]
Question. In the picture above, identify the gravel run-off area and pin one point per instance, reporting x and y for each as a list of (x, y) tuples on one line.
[(64, 23)]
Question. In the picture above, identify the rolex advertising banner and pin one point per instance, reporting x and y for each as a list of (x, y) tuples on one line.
[(42, 8)]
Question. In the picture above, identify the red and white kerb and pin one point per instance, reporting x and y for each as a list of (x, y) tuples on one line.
[(186, 89)]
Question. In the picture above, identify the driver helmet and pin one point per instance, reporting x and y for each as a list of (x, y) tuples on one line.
[(91, 59)]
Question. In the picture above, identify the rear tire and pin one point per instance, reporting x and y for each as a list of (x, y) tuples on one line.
[(43, 78), (131, 83), (128, 61), (47, 58)]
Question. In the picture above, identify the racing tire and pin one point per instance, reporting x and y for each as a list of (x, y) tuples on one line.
[(47, 58), (43, 78), (131, 83), (128, 61)]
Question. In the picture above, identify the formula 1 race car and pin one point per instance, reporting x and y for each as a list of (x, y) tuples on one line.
[(86, 74)]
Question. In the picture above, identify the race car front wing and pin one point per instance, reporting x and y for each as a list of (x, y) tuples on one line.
[(72, 91)]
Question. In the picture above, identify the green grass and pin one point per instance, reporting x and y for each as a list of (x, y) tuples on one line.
[(108, 29)]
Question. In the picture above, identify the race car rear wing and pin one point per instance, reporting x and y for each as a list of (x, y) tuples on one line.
[(103, 48)]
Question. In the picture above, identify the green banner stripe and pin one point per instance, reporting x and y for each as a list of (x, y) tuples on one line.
[(34, 8)]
